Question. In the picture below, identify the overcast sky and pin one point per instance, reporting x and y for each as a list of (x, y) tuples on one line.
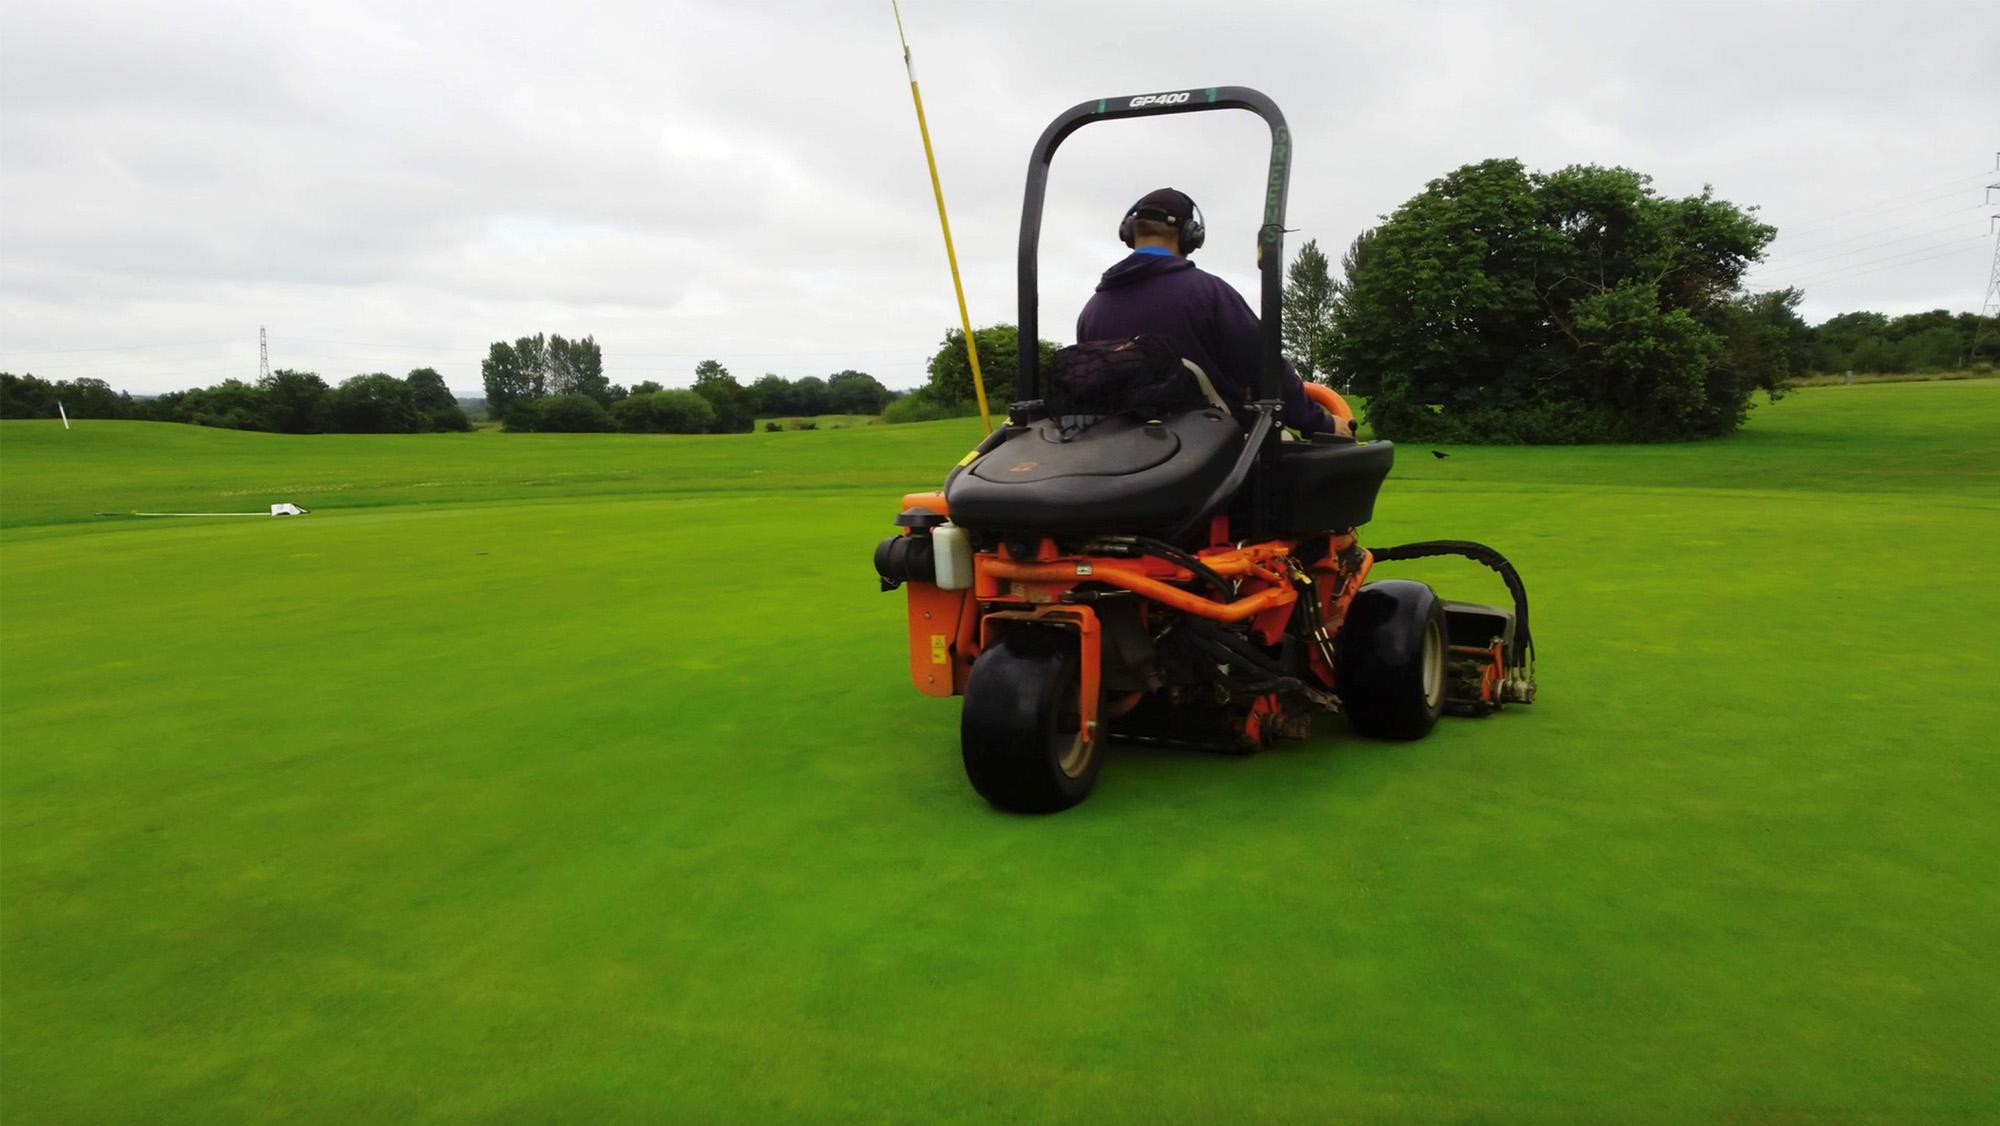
[(394, 185)]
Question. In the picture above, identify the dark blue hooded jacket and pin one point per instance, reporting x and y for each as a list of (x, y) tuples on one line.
[(1205, 319)]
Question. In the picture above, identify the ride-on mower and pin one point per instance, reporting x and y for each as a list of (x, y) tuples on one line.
[(1172, 567)]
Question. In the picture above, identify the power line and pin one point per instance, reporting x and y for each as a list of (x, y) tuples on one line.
[(1816, 222), (1817, 258), (1814, 246), (1823, 263), (1822, 271), (1885, 265)]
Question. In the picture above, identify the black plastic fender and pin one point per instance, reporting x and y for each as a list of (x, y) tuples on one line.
[(1390, 660), (1010, 733)]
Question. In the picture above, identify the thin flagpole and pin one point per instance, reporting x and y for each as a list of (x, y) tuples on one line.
[(63, 413), (951, 256)]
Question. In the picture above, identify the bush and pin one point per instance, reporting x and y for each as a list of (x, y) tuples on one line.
[(924, 405), (772, 427), (448, 419), (558, 414), (232, 404), (230, 419), (664, 412)]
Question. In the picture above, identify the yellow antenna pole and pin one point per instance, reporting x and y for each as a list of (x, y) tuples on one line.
[(965, 321)]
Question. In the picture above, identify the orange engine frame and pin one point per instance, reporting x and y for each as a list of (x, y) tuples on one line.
[(948, 630)]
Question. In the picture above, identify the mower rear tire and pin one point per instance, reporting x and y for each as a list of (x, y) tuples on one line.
[(1391, 656), (1020, 733)]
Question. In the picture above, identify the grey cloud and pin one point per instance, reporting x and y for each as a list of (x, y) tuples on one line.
[(394, 185)]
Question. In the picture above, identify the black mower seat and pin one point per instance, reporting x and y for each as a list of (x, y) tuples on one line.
[(1121, 476)]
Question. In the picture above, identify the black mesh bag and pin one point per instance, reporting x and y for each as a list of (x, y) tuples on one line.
[(1142, 376)]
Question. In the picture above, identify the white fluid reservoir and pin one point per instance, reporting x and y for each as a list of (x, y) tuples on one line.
[(952, 555)]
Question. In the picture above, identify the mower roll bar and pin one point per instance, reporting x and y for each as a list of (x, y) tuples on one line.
[(1270, 236)]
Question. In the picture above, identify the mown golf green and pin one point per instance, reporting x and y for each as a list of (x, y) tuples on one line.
[(577, 778)]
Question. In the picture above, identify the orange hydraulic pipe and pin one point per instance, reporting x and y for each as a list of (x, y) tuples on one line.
[(1246, 607)]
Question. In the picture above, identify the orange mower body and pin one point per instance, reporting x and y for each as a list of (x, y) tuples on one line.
[(1170, 566)]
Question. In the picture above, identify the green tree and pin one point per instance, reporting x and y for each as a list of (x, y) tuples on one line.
[(1834, 341), (733, 415), (376, 403), (1765, 341), (26, 396), (1934, 349), (429, 390), (772, 395), (295, 402), (810, 396), (646, 387), (664, 412), (1875, 354), (1308, 324), (93, 398), (856, 392), (1571, 306), (1933, 341), (434, 398), (558, 414), (230, 405), (576, 367), (999, 354), (514, 373)]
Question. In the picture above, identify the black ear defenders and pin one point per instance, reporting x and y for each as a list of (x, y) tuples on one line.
[(1191, 236)]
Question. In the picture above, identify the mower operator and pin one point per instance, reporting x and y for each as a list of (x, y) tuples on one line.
[(1156, 290)]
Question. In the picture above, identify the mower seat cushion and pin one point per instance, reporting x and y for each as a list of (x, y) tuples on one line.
[(1121, 476)]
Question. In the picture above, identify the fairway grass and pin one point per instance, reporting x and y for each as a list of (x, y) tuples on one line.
[(578, 778)]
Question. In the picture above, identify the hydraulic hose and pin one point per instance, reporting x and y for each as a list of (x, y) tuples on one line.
[(1478, 553)]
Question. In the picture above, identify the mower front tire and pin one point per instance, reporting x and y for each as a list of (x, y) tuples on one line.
[(1021, 732), (1391, 656)]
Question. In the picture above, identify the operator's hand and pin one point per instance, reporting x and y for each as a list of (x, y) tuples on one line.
[(1342, 429)]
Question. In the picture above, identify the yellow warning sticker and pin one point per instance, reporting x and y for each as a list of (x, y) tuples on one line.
[(968, 459), (940, 649)]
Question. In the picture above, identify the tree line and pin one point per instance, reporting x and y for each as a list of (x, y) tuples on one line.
[(284, 402), (549, 384), (1916, 342), (540, 383)]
